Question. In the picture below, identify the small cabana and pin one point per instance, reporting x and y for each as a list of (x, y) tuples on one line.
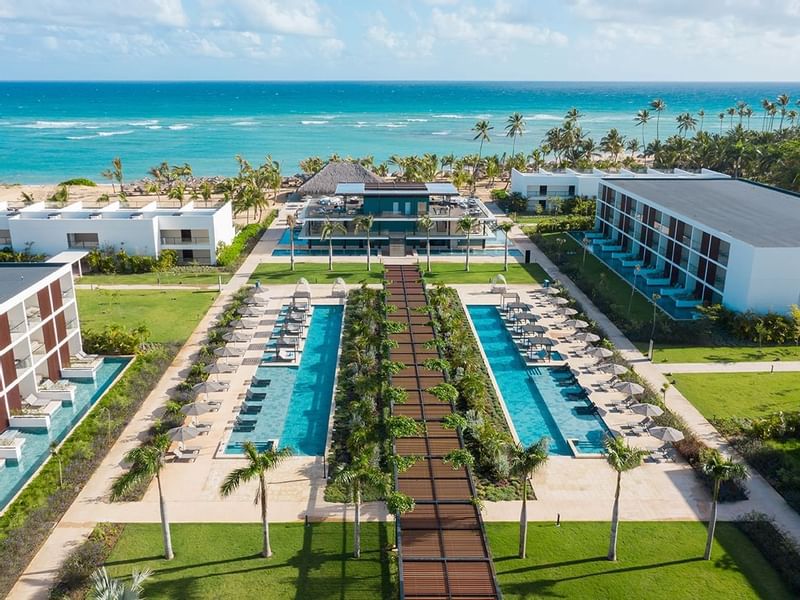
[(339, 288), (498, 284), (301, 299)]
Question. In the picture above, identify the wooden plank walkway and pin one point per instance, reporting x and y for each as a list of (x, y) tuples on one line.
[(442, 544)]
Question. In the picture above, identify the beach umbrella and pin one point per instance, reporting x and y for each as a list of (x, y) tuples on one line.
[(533, 328), (250, 311), (541, 341), (567, 312), (257, 300), (552, 291), (523, 316), (600, 353), (236, 336), (195, 409), (208, 387), (242, 324), (587, 337), (647, 410), (628, 388), (667, 434), (226, 351), (576, 324), (182, 434), (559, 301), (614, 369), (219, 367), (518, 306)]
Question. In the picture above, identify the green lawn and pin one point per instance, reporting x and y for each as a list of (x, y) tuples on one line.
[(453, 272), (170, 315), (220, 560), (351, 272), (682, 354), (595, 270), (207, 278), (655, 560), (529, 219), (719, 395)]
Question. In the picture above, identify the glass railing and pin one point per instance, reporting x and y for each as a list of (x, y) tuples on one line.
[(82, 245), (72, 325), (177, 240), (22, 363)]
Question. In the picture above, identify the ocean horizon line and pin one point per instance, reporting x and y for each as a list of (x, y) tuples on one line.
[(710, 82)]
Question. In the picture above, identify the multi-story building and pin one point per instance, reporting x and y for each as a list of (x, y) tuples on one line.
[(193, 233), (40, 342), (701, 240), (396, 209)]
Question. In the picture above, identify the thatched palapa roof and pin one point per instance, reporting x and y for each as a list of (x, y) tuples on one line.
[(324, 181)]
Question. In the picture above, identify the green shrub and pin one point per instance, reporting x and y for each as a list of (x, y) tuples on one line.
[(73, 577), (115, 339), (513, 202), (79, 181), (776, 546), (566, 223), (229, 255), (107, 260)]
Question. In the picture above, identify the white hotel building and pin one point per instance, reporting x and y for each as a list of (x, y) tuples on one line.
[(193, 233)]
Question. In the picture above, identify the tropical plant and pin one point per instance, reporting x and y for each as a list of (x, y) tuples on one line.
[(515, 126), (358, 477), (364, 223), (621, 457), (505, 227), (466, 224), (719, 469), (641, 119), (427, 224), (291, 223), (105, 587), (481, 129), (146, 462), (259, 464), (659, 106), (329, 229), (524, 462)]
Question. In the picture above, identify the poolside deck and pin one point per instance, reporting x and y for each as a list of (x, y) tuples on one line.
[(442, 546)]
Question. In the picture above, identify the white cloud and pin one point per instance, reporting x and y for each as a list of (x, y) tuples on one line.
[(331, 47), (400, 44), (299, 17), (167, 13)]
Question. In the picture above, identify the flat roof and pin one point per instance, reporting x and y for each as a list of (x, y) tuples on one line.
[(396, 189), (758, 215), (15, 278)]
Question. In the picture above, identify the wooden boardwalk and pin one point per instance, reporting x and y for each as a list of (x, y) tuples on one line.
[(442, 543)]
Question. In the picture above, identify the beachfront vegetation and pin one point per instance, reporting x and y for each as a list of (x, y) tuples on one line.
[(29, 520), (154, 309), (657, 559), (223, 560), (231, 256), (79, 181)]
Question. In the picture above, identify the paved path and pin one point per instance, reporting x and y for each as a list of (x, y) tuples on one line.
[(763, 497), (779, 366)]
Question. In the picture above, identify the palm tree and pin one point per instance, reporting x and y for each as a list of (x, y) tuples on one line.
[(27, 199), (329, 229), (505, 227), (613, 143), (782, 101), (524, 463), (146, 463), (702, 114), (686, 122), (659, 106), (259, 463), (765, 104), (291, 223), (481, 129), (721, 117), (621, 457), (572, 116), (632, 146), (105, 587), (467, 224), (116, 171), (731, 112), (364, 223), (358, 477), (641, 119), (719, 469), (515, 126), (427, 224)]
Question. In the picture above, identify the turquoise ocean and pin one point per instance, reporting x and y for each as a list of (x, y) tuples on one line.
[(58, 130)]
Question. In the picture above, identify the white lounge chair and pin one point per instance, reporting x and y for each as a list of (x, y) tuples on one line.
[(187, 454)]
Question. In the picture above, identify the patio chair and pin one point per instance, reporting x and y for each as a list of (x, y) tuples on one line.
[(214, 405), (203, 428), (286, 355), (186, 455)]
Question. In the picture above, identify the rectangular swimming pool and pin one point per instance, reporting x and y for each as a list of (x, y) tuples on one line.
[(297, 401), (37, 442), (541, 401)]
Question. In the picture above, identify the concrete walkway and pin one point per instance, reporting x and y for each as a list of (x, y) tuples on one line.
[(763, 497), (778, 366)]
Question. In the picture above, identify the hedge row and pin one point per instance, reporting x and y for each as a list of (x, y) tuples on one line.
[(231, 255)]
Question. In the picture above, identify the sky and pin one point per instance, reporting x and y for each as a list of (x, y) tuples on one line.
[(539, 40)]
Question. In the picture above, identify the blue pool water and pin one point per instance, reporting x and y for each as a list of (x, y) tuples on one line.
[(37, 443), (537, 398), (297, 406)]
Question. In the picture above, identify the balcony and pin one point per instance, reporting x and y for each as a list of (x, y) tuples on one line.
[(182, 241)]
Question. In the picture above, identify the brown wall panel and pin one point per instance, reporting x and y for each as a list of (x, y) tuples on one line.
[(5, 331), (44, 303), (55, 293), (61, 327), (53, 369), (49, 334), (63, 352), (3, 414), (8, 366), (14, 398)]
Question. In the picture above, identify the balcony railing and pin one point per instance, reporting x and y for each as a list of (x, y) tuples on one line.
[(177, 240), (5, 241), (72, 325), (22, 363), (83, 245)]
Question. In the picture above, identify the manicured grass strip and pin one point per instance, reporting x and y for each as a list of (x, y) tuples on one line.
[(655, 560), (222, 560), (720, 395), (185, 278), (351, 272), (169, 315), (676, 354), (453, 272)]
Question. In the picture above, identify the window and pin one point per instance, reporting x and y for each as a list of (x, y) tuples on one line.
[(82, 240)]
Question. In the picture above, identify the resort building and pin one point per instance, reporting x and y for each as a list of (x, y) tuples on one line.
[(701, 240), (396, 209), (40, 343), (194, 233), (544, 188)]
